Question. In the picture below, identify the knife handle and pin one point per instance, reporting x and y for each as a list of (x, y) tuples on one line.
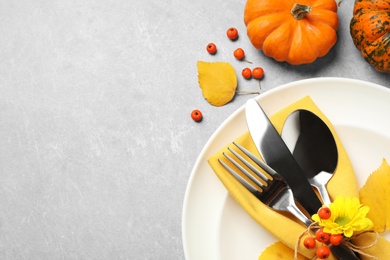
[(342, 252)]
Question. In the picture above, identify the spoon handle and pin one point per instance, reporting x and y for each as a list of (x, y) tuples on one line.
[(324, 194), (319, 181)]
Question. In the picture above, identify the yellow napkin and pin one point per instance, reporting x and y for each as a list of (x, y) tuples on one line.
[(343, 183)]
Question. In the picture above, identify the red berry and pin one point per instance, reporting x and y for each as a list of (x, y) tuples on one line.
[(246, 73), (232, 33), (324, 213), (258, 73), (309, 242), (322, 236), (323, 252), (239, 54), (196, 115), (211, 48), (336, 239)]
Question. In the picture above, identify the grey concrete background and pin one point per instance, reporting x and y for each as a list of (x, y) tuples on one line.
[(96, 139)]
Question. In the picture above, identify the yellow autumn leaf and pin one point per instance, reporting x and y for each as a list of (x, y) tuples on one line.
[(279, 251), (376, 194), (218, 82)]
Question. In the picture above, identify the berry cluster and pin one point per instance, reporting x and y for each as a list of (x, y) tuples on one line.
[(324, 238), (257, 73), (232, 34), (239, 54)]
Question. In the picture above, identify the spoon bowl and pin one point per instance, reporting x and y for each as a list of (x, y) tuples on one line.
[(313, 147)]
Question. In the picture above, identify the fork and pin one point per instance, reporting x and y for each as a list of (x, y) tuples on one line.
[(274, 192)]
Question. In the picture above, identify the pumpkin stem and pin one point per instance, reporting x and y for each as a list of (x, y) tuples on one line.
[(299, 11)]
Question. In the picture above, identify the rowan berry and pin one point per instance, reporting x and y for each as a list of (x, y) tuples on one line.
[(246, 73), (322, 236), (211, 48), (196, 115), (309, 242), (239, 54), (336, 239), (324, 213), (232, 33), (323, 252), (258, 72)]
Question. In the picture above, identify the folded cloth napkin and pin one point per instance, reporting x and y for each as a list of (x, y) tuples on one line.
[(343, 183)]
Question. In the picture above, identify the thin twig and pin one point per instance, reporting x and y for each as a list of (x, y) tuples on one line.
[(246, 92)]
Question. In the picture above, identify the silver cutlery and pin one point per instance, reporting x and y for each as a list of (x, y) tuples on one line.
[(278, 157), (276, 154)]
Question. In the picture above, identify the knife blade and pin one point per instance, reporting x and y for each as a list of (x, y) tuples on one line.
[(276, 154)]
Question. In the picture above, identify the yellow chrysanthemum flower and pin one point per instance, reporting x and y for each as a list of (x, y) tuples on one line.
[(347, 216)]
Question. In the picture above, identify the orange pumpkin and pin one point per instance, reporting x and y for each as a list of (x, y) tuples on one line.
[(296, 31), (370, 31)]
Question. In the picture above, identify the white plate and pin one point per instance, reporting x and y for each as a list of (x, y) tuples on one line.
[(215, 227)]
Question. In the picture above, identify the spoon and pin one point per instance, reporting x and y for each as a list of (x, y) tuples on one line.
[(315, 150), (313, 147)]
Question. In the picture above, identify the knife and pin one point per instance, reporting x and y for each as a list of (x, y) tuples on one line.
[(277, 155)]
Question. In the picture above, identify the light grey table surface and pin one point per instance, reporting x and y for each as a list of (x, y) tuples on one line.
[(96, 139)]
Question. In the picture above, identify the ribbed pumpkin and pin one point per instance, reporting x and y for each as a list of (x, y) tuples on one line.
[(370, 31), (296, 31)]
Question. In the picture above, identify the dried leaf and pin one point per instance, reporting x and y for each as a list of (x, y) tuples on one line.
[(218, 82), (279, 251), (376, 194)]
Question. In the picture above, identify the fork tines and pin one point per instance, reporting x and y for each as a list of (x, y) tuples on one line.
[(264, 185)]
